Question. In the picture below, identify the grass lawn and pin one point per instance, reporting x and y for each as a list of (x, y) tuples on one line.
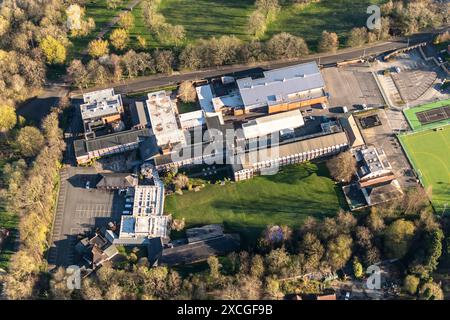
[(8, 221), (429, 153), (415, 123), (185, 107), (247, 207), (97, 10), (309, 21), (207, 18)]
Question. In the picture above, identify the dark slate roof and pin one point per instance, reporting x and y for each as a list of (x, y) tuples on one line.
[(154, 250), (82, 147), (201, 250), (117, 181), (139, 114), (280, 82)]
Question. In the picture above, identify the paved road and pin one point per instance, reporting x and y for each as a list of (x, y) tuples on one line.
[(145, 83)]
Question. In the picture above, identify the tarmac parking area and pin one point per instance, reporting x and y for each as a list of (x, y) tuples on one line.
[(80, 210), (351, 85), (382, 136)]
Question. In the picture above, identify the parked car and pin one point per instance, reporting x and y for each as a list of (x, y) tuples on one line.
[(129, 200), (88, 184), (126, 212), (440, 60), (128, 206), (347, 295), (344, 109)]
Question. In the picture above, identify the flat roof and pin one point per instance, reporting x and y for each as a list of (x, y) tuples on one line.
[(148, 200), (138, 113), (163, 119), (278, 84), (192, 119), (232, 100), (205, 96), (263, 126), (144, 227)]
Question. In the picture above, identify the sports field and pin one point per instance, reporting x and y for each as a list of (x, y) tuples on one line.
[(413, 115), (429, 153)]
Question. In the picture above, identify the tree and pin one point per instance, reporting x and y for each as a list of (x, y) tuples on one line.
[(375, 221), (329, 42), (8, 118), (398, 237), (339, 251), (256, 24), (187, 92), (431, 291), (358, 271), (277, 260), (313, 251), (286, 46), (126, 20), (257, 266), (54, 51), (272, 289), (113, 4), (358, 37), (30, 141), (119, 38), (214, 266), (269, 8), (98, 48), (342, 167), (78, 73), (142, 42), (164, 61), (410, 284)]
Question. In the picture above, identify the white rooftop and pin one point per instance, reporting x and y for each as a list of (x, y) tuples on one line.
[(148, 200), (163, 119), (205, 96), (279, 85), (274, 123), (144, 227), (100, 103), (192, 119)]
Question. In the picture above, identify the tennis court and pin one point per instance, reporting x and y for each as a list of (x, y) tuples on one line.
[(429, 153)]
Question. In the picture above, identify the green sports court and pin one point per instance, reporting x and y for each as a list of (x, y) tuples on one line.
[(429, 153)]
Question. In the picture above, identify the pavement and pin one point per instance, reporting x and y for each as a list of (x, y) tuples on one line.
[(79, 210)]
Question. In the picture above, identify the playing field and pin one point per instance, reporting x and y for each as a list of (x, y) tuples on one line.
[(208, 18), (247, 207), (426, 116), (429, 153)]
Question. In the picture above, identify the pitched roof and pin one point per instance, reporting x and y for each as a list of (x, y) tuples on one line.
[(117, 181), (82, 147)]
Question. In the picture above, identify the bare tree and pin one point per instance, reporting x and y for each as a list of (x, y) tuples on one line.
[(187, 92), (342, 167)]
